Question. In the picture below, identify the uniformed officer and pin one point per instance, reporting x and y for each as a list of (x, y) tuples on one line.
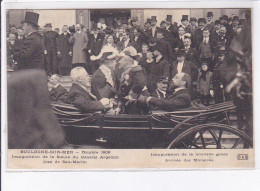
[(50, 43)]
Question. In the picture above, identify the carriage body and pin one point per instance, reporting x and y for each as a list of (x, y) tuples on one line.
[(157, 130)]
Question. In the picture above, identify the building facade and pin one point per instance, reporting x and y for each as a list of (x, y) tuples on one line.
[(86, 17)]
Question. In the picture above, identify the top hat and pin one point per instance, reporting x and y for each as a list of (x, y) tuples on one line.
[(48, 25), (31, 18), (169, 18), (153, 18), (148, 20), (210, 14), (193, 19), (185, 17), (202, 20)]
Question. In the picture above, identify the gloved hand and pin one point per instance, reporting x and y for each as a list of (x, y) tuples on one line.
[(211, 93), (106, 103)]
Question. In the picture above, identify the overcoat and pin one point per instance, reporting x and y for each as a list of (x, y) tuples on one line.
[(79, 41)]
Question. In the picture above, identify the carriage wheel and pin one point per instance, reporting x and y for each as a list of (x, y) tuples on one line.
[(212, 136)]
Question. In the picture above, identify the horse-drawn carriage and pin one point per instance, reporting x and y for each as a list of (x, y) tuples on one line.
[(191, 128)]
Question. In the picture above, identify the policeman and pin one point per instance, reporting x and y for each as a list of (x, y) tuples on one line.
[(50, 43)]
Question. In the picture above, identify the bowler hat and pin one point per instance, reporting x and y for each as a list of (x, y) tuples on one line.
[(235, 18), (169, 18), (153, 18), (217, 22), (210, 14), (163, 22), (31, 18), (185, 17), (148, 20), (202, 20), (224, 17)]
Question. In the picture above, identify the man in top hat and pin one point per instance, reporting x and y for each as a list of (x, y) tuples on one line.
[(31, 55), (198, 35), (179, 99), (193, 25), (171, 30), (185, 23), (50, 43), (153, 31), (210, 23)]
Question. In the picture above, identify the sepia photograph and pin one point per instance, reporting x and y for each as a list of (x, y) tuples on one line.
[(129, 78), (170, 86)]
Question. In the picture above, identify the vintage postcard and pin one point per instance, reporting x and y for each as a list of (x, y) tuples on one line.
[(105, 88)]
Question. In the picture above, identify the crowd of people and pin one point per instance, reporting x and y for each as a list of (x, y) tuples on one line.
[(131, 68)]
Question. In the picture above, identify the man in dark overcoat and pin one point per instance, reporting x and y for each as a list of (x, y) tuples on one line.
[(50, 44), (94, 46), (31, 54), (64, 51)]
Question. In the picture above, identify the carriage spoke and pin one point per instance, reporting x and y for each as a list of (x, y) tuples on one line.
[(202, 140), (236, 143), (219, 139), (185, 145)]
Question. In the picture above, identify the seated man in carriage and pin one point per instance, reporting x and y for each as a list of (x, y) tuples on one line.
[(80, 96), (179, 99)]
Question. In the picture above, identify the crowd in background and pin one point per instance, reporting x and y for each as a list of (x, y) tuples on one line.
[(198, 47)]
